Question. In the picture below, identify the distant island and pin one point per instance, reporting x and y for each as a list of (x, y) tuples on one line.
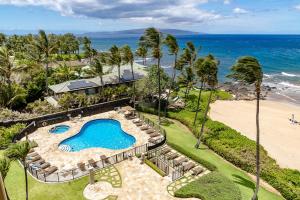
[(134, 33)]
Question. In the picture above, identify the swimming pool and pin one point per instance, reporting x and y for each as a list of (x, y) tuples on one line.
[(103, 133), (59, 129)]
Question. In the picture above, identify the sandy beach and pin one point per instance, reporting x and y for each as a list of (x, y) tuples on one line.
[(278, 136)]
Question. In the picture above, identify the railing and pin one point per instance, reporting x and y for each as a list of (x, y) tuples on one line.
[(75, 173)]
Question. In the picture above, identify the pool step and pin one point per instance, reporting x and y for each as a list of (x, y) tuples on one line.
[(65, 148)]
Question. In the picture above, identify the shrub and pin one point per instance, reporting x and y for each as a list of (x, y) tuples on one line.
[(212, 186), (40, 107), (7, 134)]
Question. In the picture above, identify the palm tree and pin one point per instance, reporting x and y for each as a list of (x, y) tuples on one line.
[(173, 46), (6, 64), (212, 81), (20, 151), (64, 72), (201, 69), (12, 95), (248, 70), (4, 167), (188, 57), (45, 47), (96, 69), (142, 52), (153, 39), (115, 59), (128, 57)]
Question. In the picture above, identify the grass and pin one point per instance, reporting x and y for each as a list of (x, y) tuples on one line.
[(155, 168), (181, 136), (213, 186)]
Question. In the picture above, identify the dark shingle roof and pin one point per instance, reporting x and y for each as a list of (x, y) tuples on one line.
[(78, 84)]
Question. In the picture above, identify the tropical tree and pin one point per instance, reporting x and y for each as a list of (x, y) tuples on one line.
[(211, 81), (96, 69), (248, 70), (12, 95), (4, 167), (19, 151), (87, 48), (171, 43), (187, 58), (142, 52), (153, 39), (128, 57), (201, 67), (115, 59), (2, 39), (45, 48), (63, 73)]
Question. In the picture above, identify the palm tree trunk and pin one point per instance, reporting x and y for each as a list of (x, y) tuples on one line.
[(131, 64), (255, 197), (204, 121), (159, 89), (119, 73), (172, 85), (26, 180), (198, 104), (47, 90)]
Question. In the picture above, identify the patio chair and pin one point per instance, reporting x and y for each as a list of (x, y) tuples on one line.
[(33, 154), (45, 165), (93, 163), (149, 131), (139, 124), (197, 171), (188, 166), (180, 161), (31, 150), (165, 150), (153, 135), (105, 159), (136, 121), (50, 170), (81, 166), (144, 127), (152, 140), (33, 159), (37, 163), (172, 156)]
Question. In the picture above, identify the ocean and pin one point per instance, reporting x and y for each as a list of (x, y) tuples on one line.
[(279, 56)]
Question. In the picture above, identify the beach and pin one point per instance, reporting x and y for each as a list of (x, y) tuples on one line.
[(278, 135)]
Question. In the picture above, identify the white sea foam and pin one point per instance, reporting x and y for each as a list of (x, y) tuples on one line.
[(290, 85), (288, 74)]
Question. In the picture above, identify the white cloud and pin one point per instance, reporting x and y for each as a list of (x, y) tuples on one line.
[(163, 11), (227, 2), (297, 7), (240, 11)]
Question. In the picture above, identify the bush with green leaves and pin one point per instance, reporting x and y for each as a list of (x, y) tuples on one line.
[(7, 115), (7, 134), (213, 186), (40, 107)]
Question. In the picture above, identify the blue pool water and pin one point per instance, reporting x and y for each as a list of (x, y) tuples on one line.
[(59, 129), (103, 133)]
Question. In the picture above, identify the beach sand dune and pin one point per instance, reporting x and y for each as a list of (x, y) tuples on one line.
[(278, 136)]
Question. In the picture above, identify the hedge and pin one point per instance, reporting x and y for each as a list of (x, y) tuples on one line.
[(155, 168), (213, 186)]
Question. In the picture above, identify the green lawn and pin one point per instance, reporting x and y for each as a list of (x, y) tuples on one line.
[(179, 134), (41, 191)]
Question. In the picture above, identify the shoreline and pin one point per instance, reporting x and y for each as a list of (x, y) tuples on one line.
[(278, 136)]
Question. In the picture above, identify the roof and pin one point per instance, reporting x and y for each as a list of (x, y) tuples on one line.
[(111, 78)]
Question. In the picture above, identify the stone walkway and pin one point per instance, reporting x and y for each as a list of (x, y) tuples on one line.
[(139, 182)]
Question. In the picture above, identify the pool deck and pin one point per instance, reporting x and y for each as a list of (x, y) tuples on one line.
[(139, 182), (48, 142)]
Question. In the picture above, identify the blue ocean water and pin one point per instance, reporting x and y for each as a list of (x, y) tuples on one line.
[(103, 133), (279, 55)]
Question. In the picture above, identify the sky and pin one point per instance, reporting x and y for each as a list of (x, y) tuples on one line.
[(209, 16)]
